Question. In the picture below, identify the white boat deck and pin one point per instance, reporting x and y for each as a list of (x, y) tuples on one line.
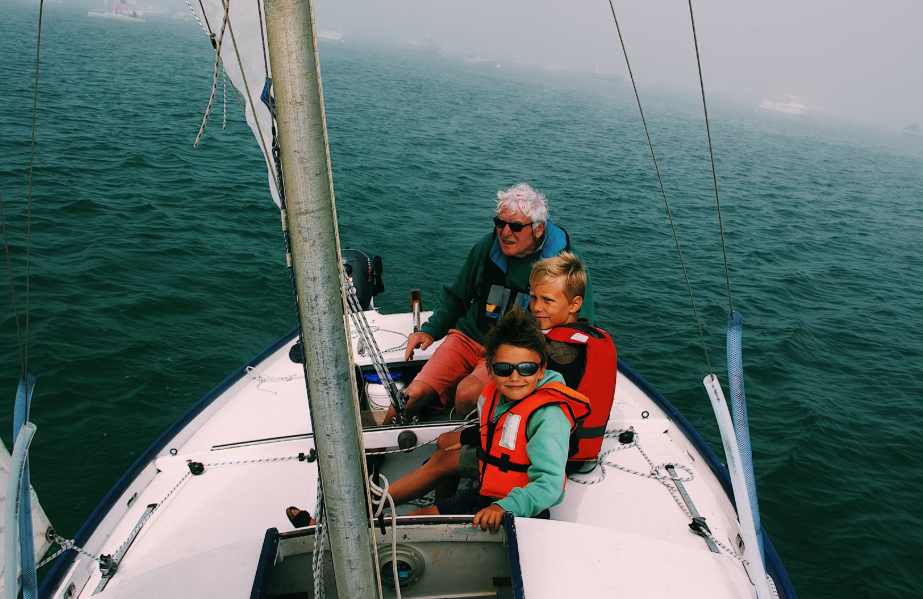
[(625, 533)]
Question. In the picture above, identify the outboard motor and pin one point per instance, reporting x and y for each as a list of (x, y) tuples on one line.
[(365, 272)]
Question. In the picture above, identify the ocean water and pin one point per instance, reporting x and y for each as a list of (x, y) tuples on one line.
[(157, 269)]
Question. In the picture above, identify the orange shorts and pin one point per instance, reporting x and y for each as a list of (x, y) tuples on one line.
[(457, 357)]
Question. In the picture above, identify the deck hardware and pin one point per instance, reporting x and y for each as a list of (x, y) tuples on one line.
[(49, 534), (109, 564), (173, 451), (740, 545), (406, 439), (70, 591), (196, 468), (132, 499), (310, 457), (645, 414), (697, 526), (626, 437)]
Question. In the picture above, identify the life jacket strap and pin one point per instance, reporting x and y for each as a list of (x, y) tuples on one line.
[(589, 432), (503, 463)]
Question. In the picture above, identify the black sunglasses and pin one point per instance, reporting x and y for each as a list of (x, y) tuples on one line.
[(514, 227), (506, 369)]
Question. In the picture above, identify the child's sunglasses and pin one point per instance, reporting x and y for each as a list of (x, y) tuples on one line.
[(506, 369), (514, 227)]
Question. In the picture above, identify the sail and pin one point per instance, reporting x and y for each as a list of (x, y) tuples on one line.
[(247, 48)]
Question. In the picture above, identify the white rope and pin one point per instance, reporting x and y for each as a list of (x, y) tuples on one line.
[(320, 532), (658, 473), (196, 15), (379, 504), (262, 377)]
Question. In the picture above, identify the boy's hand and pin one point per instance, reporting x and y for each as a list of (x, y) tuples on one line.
[(491, 516)]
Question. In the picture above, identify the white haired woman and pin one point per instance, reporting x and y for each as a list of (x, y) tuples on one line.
[(494, 278)]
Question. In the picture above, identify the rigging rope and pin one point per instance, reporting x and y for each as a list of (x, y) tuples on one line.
[(211, 98), (662, 189), (9, 268), (38, 53), (711, 155)]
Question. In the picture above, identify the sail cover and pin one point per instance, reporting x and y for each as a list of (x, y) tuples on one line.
[(247, 48)]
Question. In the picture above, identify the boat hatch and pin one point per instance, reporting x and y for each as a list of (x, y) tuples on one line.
[(438, 556)]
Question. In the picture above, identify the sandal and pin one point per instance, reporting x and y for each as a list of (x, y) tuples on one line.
[(298, 518)]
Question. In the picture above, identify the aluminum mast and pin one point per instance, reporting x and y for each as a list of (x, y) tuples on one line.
[(316, 260)]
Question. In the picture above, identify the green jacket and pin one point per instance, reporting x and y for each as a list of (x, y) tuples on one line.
[(458, 304)]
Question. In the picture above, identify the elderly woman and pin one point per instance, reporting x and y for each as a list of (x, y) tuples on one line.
[(494, 278)]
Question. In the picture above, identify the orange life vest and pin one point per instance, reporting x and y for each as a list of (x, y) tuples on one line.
[(502, 453), (597, 384)]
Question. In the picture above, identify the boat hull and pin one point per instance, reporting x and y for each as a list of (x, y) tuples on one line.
[(260, 391)]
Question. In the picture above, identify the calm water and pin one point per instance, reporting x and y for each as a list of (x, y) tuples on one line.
[(157, 269)]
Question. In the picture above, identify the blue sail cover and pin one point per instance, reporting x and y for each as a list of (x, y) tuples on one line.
[(26, 549), (739, 414)]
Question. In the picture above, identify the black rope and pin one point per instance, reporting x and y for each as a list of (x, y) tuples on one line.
[(662, 189), (9, 268), (711, 155), (38, 52), (205, 16), (259, 12)]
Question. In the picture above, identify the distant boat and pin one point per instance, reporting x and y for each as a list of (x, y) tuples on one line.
[(794, 105), (913, 129), (479, 60), (330, 34), (601, 73), (424, 46), (119, 12)]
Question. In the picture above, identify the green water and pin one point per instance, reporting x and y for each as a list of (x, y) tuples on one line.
[(157, 269)]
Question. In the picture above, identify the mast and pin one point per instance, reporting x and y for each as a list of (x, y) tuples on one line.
[(316, 260)]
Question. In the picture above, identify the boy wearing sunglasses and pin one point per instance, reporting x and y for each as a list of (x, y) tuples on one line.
[(527, 416)]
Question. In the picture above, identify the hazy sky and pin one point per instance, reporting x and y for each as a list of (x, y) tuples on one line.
[(855, 57)]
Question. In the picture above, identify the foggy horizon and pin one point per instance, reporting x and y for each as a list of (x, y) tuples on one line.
[(853, 59)]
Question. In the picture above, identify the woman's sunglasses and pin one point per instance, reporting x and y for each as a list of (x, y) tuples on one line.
[(506, 369), (514, 227)]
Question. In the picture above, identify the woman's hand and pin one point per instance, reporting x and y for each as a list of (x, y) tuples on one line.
[(491, 516)]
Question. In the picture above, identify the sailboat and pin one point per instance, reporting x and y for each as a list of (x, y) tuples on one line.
[(201, 513), (119, 11)]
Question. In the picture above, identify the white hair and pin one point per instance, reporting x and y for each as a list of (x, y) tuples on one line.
[(524, 199)]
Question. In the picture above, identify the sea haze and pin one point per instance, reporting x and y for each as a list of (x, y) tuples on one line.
[(157, 269)]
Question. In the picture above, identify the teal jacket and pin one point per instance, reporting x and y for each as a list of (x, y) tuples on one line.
[(548, 436), (458, 304)]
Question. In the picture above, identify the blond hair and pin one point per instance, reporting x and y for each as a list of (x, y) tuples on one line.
[(565, 265)]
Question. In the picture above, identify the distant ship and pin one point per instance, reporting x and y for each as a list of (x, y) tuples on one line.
[(794, 105), (330, 34), (484, 61), (120, 12), (601, 73), (424, 46), (913, 129)]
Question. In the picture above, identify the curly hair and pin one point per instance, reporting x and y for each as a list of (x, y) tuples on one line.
[(519, 329), (522, 198)]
